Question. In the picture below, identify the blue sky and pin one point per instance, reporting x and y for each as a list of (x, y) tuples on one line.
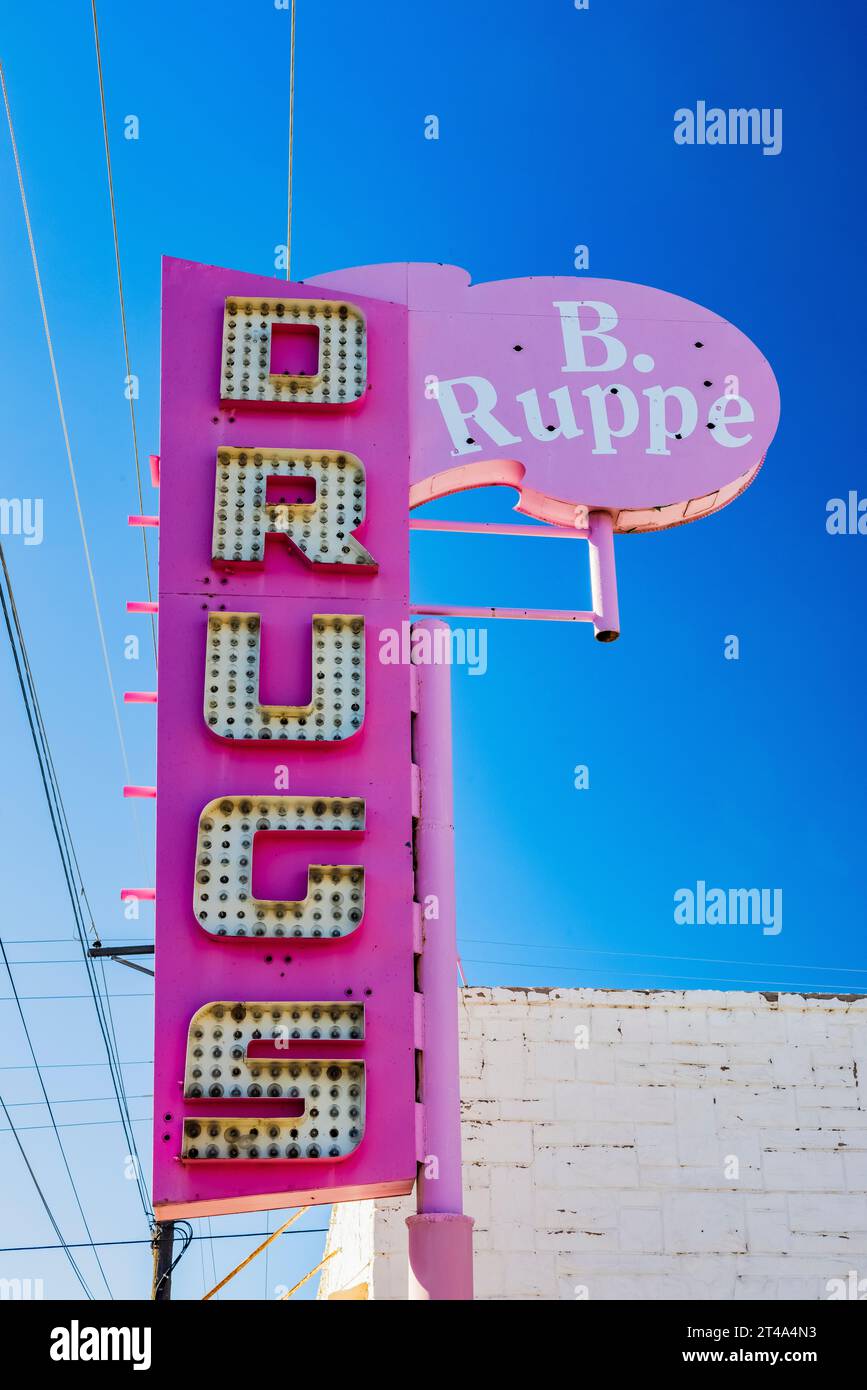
[(556, 129)]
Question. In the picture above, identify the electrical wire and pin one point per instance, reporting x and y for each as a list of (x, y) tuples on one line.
[(39, 941), (186, 1232), (67, 1066), (226, 1235), (795, 986), (47, 1102), (143, 529), (68, 960), (73, 1100), (65, 430), (648, 955), (57, 1231), (61, 998), (69, 861), (119, 1081), (201, 1240), (212, 1238), (84, 1124), (291, 144), (584, 950)]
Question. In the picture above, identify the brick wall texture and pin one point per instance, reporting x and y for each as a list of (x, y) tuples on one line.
[(648, 1145)]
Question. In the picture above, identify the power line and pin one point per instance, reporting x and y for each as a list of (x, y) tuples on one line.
[(60, 998), (57, 1231), (272, 1236), (797, 986), (47, 1102), (291, 144), (648, 955), (553, 946), (228, 1235), (119, 1083), (66, 1066), (68, 446), (129, 393), (185, 1230), (88, 1124), (65, 940), (68, 858), (202, 1262), (74, 1100), (211, 1239), (68, 960)]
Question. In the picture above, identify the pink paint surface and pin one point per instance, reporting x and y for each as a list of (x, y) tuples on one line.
[(457, 330), (194, 766)]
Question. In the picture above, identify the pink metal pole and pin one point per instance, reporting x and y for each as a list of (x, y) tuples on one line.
[(603, 577), (535, 615), (440, 1236), (491, 528)]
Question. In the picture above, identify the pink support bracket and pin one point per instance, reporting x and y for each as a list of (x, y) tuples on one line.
[(142, 521), (544, 615), (140, 697), (491, 528), (142, 895), (598, 532), (603, 577), (136, 606), (140, 791), (154, 461)]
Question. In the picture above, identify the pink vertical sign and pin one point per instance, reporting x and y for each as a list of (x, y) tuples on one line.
[(285, 1005)]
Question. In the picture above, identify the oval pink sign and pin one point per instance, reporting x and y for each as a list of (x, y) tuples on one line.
[(580, 393)]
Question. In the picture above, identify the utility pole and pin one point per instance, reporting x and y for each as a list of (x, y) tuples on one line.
[(162, 1244)]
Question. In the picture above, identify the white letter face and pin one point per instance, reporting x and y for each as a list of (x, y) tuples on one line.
[(248, 326), (659, 430), (223, 898), (458, 419), (601, 398), (246, 1052), (232, 706), (321, 529), (574, 335), (720, 417)]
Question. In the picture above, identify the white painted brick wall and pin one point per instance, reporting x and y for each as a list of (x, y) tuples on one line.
[(600, 1172)]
